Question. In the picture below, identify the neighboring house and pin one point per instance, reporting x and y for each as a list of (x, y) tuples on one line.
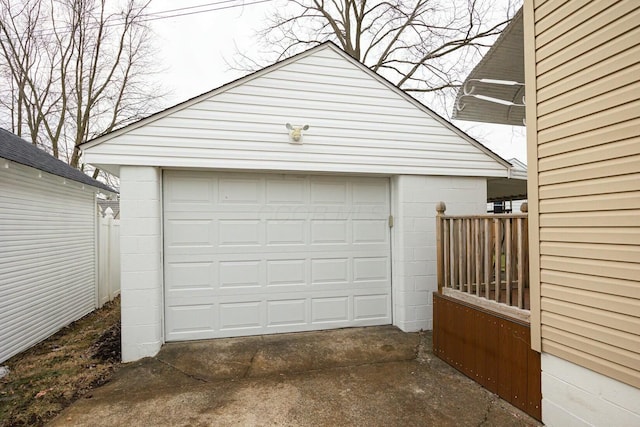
[(264, 227), (47, 244), (581, 65)]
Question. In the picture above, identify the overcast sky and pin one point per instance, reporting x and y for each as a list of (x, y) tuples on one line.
[(194, 50)]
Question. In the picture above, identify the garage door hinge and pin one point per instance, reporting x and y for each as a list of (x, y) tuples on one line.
[(390, 221)]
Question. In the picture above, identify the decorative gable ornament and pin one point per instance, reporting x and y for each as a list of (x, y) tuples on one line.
[(295, 133)]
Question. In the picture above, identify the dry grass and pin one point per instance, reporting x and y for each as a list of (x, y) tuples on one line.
[(48, 377)]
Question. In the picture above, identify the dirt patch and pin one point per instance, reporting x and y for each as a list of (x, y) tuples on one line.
[(48, 377)]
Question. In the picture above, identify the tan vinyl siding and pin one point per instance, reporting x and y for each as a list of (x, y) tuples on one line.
[(587, 142)]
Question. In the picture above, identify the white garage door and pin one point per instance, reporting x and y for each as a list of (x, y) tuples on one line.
[(257, 254)]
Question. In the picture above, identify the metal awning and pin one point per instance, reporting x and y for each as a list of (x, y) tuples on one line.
[(494, 91)]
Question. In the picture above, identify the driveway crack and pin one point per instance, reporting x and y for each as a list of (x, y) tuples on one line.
[(255, 353), (486, 413), (193, 377)]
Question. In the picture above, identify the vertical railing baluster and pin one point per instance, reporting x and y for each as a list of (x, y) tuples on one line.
[(478, 252), (507, 259), (440, 208), (483, 255), (446, 253), (521, 262), (460, 255), (497, 256), (469, 253), (487, 257)]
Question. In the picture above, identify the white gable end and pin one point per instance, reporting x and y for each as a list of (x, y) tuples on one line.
[(357, 124)]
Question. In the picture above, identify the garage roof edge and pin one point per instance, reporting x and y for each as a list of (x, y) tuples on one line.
[(227, 86)]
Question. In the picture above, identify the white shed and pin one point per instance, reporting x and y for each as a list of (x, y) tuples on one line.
[(232, 225), (47, 244)]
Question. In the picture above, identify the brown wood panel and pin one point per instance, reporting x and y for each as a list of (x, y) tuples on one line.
[(505, 359), (534, 385), (519, 350), (491, 349)]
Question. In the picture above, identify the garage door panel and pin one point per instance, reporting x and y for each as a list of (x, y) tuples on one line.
[(329, 231), (192, 319), (287, 312), (286, 232), (241, 315), (371, 194), (287, 272), (367, 269), (240, 232), (196, 193), (330, 309), (251, 254), (190, 275), (234, 275), (330, 270), (286, 192), (366, 231), (371, 306), (240, 190), (190, 232), (328, 193)]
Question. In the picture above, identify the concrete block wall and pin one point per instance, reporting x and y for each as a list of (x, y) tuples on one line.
[(414, 239), (141, 261), (577, 396)]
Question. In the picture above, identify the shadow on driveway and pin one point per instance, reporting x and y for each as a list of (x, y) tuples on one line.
[(376, 376)]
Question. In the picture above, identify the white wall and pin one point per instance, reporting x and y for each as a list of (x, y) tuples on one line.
[(140, 248), (414, 240), (47, 255), (413, 250), (358, 124), (576, 396)]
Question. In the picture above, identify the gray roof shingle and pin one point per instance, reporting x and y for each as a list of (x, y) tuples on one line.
[(16, 149)]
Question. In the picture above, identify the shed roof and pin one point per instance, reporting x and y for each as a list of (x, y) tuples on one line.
[(16, 149)]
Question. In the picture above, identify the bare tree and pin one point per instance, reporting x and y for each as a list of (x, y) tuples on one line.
[(420, 45), (72, 70)]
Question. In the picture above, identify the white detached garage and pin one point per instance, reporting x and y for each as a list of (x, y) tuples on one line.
[(230, 226)]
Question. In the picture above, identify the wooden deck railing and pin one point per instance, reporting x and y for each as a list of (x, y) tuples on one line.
[(484, 256)]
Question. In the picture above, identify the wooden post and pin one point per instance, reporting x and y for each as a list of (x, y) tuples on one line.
[(440, 209)]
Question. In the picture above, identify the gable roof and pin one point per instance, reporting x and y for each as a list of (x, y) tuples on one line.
[(16, 149), (238, 82)]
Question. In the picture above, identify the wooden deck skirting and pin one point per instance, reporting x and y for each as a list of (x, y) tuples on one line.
[(484, 255), (481, 312), (491, 349)]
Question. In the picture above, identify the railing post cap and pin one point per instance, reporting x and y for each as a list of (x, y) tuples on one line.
[(524, 208), (441, 208)]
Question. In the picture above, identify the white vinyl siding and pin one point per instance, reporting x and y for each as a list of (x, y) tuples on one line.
[(47, 255), (588, 178), (250, 254), (357, 123)]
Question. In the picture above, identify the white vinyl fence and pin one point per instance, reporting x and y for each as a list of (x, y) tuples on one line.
[(108, 257)]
